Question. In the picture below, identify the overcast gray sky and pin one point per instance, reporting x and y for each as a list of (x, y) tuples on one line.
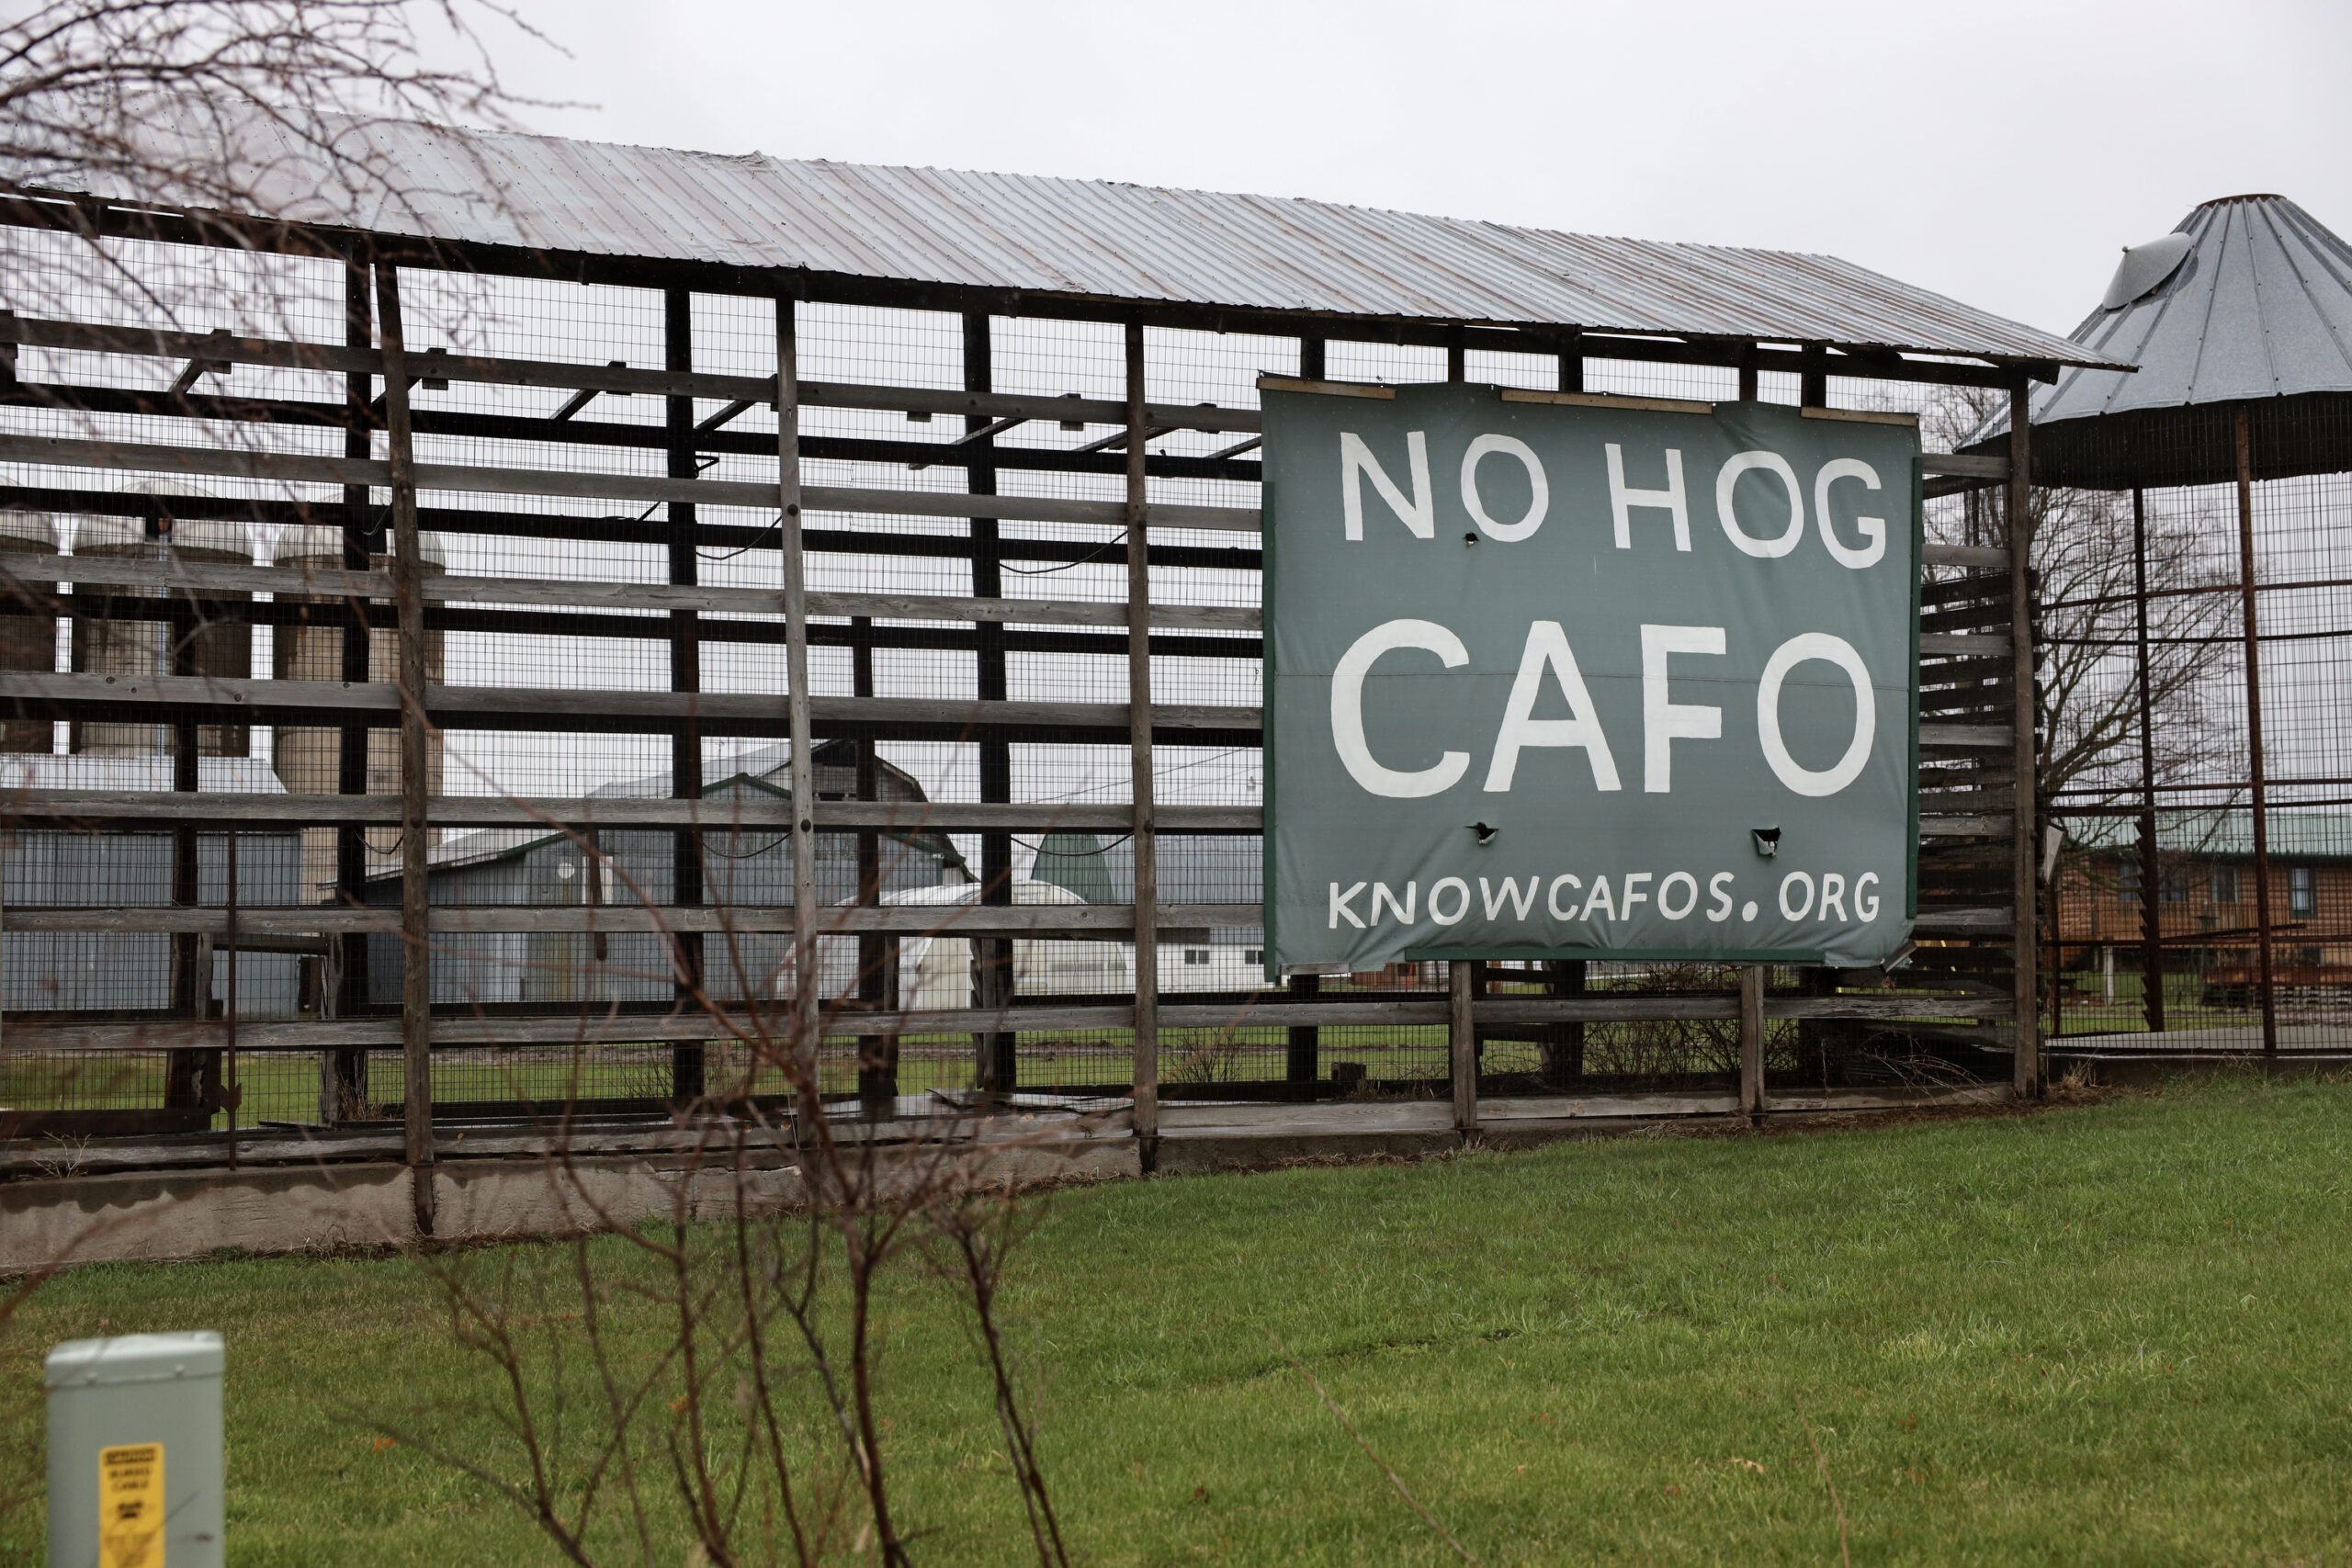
[(1997, 150)]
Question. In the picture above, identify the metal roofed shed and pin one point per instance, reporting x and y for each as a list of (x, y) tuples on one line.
[(942, 471), (547, 866), (908, 235)]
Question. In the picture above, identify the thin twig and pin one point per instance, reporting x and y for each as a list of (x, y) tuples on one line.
[(1845, 1556), (1386, 1468)]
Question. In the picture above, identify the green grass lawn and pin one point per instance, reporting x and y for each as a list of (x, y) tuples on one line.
[(2117, 1333)]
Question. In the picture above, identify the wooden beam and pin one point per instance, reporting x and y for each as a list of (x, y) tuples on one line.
[(1967, 737), (1963, 466), (1989, 824), (225, 462), (1963, 644), (1076, 920), (749, 391), (461, 1031), (444, 702), (215, 578), (92, 807), (1988, 921), (1987, 558)]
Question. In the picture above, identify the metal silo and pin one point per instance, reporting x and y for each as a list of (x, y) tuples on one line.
[(123, 631), (308, 759)]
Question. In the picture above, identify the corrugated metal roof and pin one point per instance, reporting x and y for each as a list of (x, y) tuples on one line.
[(2261, 307), (1103, 240), (2225, 834)]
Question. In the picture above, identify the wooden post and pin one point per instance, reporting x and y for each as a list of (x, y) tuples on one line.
[(1563, 1043), (231, 1095), (1812, 376), (1146, 852), (2026, 1064), (2152, 952), (801, 771), (878, 953), (1303, 1055), (1572, 361), (344, 1089), (189, 1074), (996, 1067), (1463, 984), (1751, 1039), (687, 1080), (2254, 738), (408, 590)]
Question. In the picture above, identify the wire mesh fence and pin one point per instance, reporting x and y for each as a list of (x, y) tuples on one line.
[(2199, 774), (591, 654)]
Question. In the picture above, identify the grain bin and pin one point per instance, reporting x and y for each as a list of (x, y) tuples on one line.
[(123, 631), (308, 759)]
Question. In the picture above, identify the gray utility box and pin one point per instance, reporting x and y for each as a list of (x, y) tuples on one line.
[(134, 1452)]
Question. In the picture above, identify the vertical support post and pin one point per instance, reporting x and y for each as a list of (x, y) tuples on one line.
[(686, 1067), (1748, 378), (1147, 822), (230, 1095), (344, 1089), (1563, 1043), (1751, 1039), (1572, 361), (2025, 902), (801, 771), (1812, 376), (998, 1068), (2253, 736), (408, 588), (1456, 355), (2150, 927), (2055, 929), (191, 1076), (187, 1073), (1463, 979), (1303, 1062), (878, 954)]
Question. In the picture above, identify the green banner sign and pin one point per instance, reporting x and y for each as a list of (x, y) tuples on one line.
[(1551, 675)]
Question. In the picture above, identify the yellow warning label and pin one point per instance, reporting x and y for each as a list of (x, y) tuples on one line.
[(131, 1506)]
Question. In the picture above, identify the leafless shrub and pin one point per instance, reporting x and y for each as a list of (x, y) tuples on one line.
[(234, 110), (715, 1377), (1669, 1046)]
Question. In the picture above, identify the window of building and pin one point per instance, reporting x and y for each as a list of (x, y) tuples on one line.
[(2127, 881), (2172, 884), (2302, 890), (1196, 955), (2225, 884)]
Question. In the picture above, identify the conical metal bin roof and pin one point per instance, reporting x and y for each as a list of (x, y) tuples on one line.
[(2253, 312)]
